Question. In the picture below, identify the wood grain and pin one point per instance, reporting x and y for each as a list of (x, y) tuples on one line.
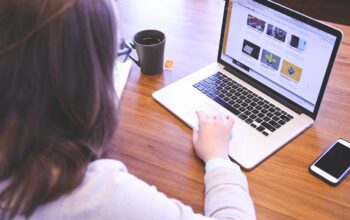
[(156, 146)]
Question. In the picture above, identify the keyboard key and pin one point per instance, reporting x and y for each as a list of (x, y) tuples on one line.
[(212, 89), (249, 120), (213, 77), (260, 115), (261, 103), (255, 111), (219, 88), (200, 88), (196, 85), (211, 95), (253, 125), (281, 122), (227, 106), (205, 84), (260, 128), (278, 113), (253, 116), (215, 84), (209, 81), (266, 118), (275, 118), (265, 133), (266, 106), (242, 109), (284, 118), (259, 120), (275, 124), (269, 114), (205, 91), (247, 113), (243, 116), (216, 92), (268, 126)]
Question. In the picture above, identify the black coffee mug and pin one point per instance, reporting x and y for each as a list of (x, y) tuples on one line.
[(149, 46)]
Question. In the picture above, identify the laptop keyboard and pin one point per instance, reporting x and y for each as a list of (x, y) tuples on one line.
[(259, 113)]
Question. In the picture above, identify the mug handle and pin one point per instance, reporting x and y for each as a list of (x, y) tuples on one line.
[(132, 46)]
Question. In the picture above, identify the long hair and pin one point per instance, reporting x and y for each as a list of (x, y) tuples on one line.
[(57, 100)]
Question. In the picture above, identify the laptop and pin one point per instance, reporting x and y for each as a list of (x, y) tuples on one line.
[(271, 73)]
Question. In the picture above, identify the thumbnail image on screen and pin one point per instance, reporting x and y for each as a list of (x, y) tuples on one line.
[(291, 70), (251, 49), (297, 43), (270, 59), (276, 32), (256, 23)]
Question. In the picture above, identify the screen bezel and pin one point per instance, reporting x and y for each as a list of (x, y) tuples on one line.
[(277, 96), (322, 173)]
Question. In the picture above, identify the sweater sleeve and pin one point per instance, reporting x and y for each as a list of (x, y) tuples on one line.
[(227, 195)]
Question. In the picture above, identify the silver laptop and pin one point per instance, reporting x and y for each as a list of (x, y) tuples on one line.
[(271, 73)]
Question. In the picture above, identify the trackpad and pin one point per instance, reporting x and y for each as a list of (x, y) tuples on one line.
[(191, 117)]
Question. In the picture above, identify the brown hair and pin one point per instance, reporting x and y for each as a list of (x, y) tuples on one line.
[(57, 101)]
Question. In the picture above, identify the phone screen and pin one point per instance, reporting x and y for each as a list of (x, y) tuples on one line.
[(336, 161)]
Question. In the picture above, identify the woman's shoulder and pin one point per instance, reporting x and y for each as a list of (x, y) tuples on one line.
[(104, 183), (105, 165), (103, 173)]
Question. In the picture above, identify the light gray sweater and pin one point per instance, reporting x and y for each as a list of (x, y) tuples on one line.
[(108, 191)]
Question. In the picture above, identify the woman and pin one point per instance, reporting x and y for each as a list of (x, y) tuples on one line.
[(58, 115)]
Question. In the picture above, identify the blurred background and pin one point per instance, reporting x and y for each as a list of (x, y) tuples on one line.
[(337, 11)]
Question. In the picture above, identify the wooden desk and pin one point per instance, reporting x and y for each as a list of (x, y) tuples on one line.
[(156, 146)]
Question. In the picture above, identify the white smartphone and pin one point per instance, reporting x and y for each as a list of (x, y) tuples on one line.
[(334, 164)]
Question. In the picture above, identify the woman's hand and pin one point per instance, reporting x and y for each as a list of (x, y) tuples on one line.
[(213, 137)]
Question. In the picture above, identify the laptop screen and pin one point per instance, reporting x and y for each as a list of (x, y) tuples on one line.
[(283, 53)]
